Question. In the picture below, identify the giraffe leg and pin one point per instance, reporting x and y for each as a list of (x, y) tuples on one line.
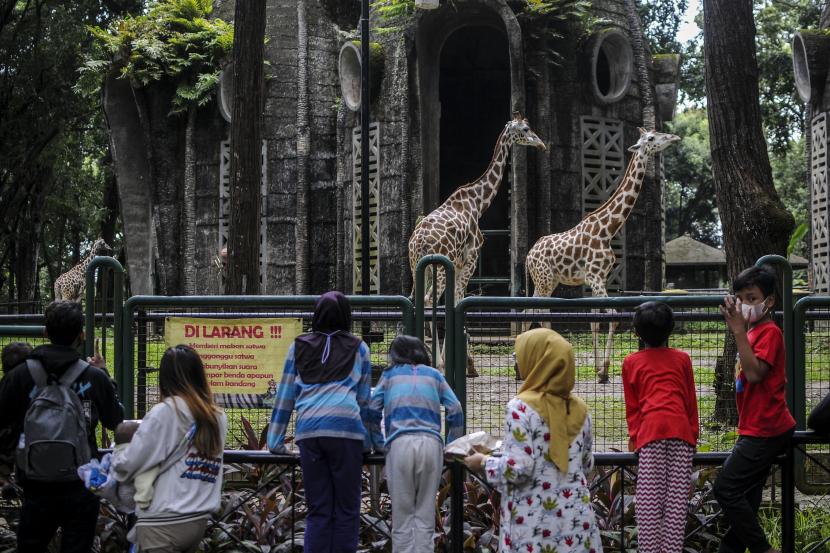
[(601, 364), (470, 263), (544, 283), (609, 346)]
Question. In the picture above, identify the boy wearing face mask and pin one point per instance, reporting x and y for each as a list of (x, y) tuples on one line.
[(765, 424)]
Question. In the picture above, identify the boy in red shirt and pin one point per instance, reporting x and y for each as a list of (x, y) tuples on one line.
[(765, 424), (661, 409)]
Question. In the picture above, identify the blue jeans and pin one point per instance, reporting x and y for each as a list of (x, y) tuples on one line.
[(332, 478)]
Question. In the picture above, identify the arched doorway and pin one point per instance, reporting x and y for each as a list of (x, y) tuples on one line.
[(474, 92)]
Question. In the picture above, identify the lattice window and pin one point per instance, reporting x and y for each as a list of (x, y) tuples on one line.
[(374, 202), (819, 208), (225, 206), (603, 164)]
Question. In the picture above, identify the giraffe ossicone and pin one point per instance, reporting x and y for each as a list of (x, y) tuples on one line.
[(452, 228), (583, 254)]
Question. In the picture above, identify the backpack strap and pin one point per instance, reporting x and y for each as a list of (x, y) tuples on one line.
[(73, 372), (180, 451), (37, 372)]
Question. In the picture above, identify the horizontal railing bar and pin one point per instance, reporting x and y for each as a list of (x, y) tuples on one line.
[(154, 316), (36, 331)]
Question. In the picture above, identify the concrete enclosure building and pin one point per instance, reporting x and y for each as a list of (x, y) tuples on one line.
[(445, 82)]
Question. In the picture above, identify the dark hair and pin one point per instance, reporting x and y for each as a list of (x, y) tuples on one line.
[(408, 350), (125, 431), (654, 322), (64, 322), (14, 354), (182, 374), (763, 278)]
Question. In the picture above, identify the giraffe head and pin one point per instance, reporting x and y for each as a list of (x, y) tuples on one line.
[(100, 247), (652, 142), (517, 131)]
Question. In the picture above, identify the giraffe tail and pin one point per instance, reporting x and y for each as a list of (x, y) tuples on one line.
[(527, 281)]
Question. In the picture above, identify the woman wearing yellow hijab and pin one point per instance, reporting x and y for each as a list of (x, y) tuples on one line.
[(545, 501)]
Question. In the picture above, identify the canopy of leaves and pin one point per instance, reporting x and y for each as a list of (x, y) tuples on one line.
[(661, 21), (173, 39), (775, 21), (52, 139), (690, 187)]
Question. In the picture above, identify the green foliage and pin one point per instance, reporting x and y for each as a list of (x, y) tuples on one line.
[(544, 20), (174, 39), (661, 20), (690, 187), (798, 235)]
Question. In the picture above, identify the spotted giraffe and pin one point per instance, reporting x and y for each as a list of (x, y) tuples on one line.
[(452, 228), (583, 254), (70, 285)]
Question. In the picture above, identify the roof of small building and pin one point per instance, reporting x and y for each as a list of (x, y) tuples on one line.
[(685, 251)]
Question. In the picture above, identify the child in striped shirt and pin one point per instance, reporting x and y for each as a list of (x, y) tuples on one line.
[(327, 379), (409, 396)]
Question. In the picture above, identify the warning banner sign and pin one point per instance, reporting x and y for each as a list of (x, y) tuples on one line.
[(241, 356)]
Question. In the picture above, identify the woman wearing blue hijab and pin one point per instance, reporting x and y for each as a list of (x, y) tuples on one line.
[(327, 378)]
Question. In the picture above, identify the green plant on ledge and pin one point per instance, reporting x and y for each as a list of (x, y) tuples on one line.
[(173, 39)]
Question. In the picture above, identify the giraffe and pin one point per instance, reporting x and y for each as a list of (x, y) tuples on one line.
[(452, 228), (583, 254), (70, 285)]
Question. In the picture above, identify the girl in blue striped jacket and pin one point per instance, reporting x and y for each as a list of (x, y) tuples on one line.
[(327, 377), (409, 396)]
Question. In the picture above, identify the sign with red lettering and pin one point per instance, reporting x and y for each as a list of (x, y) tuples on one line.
[(241, 356)]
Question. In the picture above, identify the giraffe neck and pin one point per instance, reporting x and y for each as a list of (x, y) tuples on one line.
[(482, 190), (618, 207), (87, 260)]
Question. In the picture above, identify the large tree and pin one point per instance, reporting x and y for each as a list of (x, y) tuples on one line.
[(246, 148), (754, 220)]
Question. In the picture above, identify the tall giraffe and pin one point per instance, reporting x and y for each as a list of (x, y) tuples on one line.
[(70, 285), (452, 228), (583, 254)]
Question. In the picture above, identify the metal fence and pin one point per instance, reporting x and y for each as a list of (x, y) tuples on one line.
[(377, 319), (479, 334)]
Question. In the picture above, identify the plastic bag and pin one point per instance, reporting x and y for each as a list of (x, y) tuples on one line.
[(477, 442)]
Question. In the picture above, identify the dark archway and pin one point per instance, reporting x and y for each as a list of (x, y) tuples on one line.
[(474, 92)]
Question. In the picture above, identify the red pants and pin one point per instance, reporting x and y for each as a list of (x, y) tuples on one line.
[(662, 495)]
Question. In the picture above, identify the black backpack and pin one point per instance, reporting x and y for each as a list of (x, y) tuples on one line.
[(55, 440)]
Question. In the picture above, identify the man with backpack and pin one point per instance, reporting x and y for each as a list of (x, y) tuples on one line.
[(58, 399)]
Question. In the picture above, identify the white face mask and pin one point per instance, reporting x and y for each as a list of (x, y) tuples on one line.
[(753, 312)]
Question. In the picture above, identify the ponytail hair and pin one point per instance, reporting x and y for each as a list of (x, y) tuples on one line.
[(182, 374)]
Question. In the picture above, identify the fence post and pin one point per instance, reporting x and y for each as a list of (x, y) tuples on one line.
[(787, 311), (118, 309), (791, 346), (453, 370), (449, 301)]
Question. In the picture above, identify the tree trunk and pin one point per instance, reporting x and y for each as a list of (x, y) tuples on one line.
[(110, 222), (754, 220), (189, 208), (27, 252), (246, 148), (303, 146), (651, 192), (166, 137)]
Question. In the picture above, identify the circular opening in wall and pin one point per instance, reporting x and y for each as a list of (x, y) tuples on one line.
[(612, 64), (349, 68)]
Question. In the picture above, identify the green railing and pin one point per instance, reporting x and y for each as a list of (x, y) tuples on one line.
[(400, 304), (101, 266)]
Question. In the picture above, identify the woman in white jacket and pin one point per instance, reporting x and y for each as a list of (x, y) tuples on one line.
[(185, 432)]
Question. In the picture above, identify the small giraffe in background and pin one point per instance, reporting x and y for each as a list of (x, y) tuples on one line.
[(452, 228), (70, 285), (583, 255)]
